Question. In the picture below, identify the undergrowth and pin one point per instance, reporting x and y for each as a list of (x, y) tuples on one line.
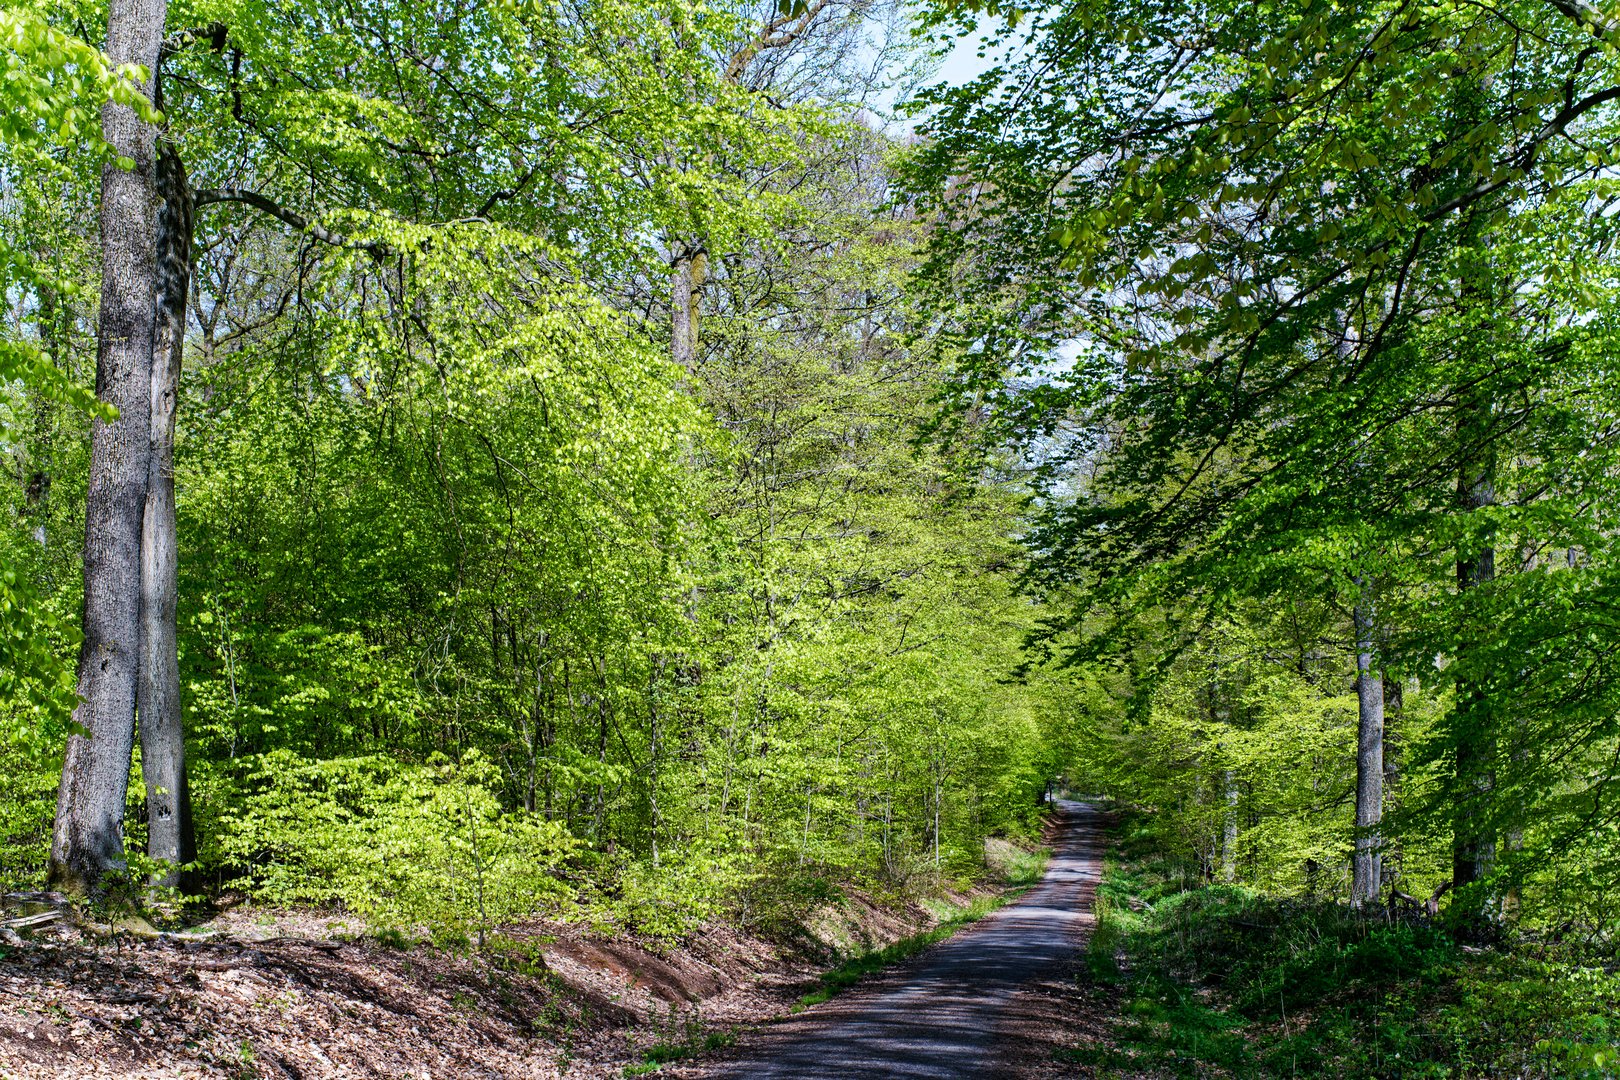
[(1219, 981)]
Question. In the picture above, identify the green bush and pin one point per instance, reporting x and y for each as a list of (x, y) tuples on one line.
[(673, 897), (402, 844), (28, 781)]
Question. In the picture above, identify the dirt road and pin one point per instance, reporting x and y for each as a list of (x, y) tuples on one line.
[(955, 1011)]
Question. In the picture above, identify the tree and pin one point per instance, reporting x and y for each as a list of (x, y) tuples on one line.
[(436, 488), (52, 87), (87, 841), (170, 833), (1196, 205)]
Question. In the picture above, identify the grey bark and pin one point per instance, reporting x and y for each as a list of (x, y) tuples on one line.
[(1366, 865), (87, 837), (1229, 828), (170, 837), (687, 275)]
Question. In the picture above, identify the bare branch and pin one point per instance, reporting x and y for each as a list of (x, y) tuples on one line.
[(210, 196), (1590, 17), (779, 33)]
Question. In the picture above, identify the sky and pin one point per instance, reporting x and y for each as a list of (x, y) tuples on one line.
[(964, 64), (961, 66)]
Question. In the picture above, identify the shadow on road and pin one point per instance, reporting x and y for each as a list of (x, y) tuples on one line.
[(940, 1019)]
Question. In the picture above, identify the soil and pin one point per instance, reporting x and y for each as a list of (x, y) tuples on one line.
[(278, 994)]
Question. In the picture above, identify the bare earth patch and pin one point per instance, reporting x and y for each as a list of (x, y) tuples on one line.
[(301, 995)]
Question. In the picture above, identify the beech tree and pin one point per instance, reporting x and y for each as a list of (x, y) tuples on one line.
[(1200, 208), (87, 841), (170, 836), (54, 85)]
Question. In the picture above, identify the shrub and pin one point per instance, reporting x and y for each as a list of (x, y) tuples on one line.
[(401, 844)]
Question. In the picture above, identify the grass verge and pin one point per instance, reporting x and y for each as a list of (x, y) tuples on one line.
[(1019, 870), (682, 1036), (856, 968), (658, 1055)]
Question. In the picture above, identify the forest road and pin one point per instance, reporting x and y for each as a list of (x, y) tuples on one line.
[(954, 1011)]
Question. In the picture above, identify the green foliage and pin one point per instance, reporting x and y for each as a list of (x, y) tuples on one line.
[(1223, 981), (488, 607), (1252, 726), (400, 844), (1295, 310), (670, 899), (28, 780), (36, 687), (52, 87)]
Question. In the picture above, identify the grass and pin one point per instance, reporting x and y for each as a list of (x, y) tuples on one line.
[(658, 1055), (1220, 981), (679, 1034), (393, 938), (860, 967), (1018, 869)]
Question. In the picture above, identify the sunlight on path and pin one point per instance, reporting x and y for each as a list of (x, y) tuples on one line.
[(941, 1021)]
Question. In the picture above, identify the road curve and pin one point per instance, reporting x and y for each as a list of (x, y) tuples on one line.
[(939, 1019)]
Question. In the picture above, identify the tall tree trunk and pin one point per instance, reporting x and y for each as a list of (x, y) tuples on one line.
[(1474, 735), (1366, 869), (170, 838), (1229, 827), (687, 275), (53, 321), (87, 839)]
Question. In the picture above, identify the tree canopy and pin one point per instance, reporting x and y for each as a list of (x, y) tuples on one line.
[(612, 458)]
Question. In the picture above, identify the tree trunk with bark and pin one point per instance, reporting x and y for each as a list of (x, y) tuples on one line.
[(87, 838), (1366, 869), (170, 837), (1474, 734), (687, 276)]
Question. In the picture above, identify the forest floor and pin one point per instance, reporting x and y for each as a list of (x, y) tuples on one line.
[(273, 994)]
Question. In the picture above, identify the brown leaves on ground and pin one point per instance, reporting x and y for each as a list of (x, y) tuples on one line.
[(298, 995)]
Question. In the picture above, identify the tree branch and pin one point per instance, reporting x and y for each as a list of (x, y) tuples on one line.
[(1590, 17), (778, 33), (1527, 158), (181, 40), (505, 194), (210, 196)]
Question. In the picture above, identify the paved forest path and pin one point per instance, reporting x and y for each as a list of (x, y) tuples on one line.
[(955, 1011)]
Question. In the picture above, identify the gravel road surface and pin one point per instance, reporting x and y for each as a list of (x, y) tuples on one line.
[(950, 1012)]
